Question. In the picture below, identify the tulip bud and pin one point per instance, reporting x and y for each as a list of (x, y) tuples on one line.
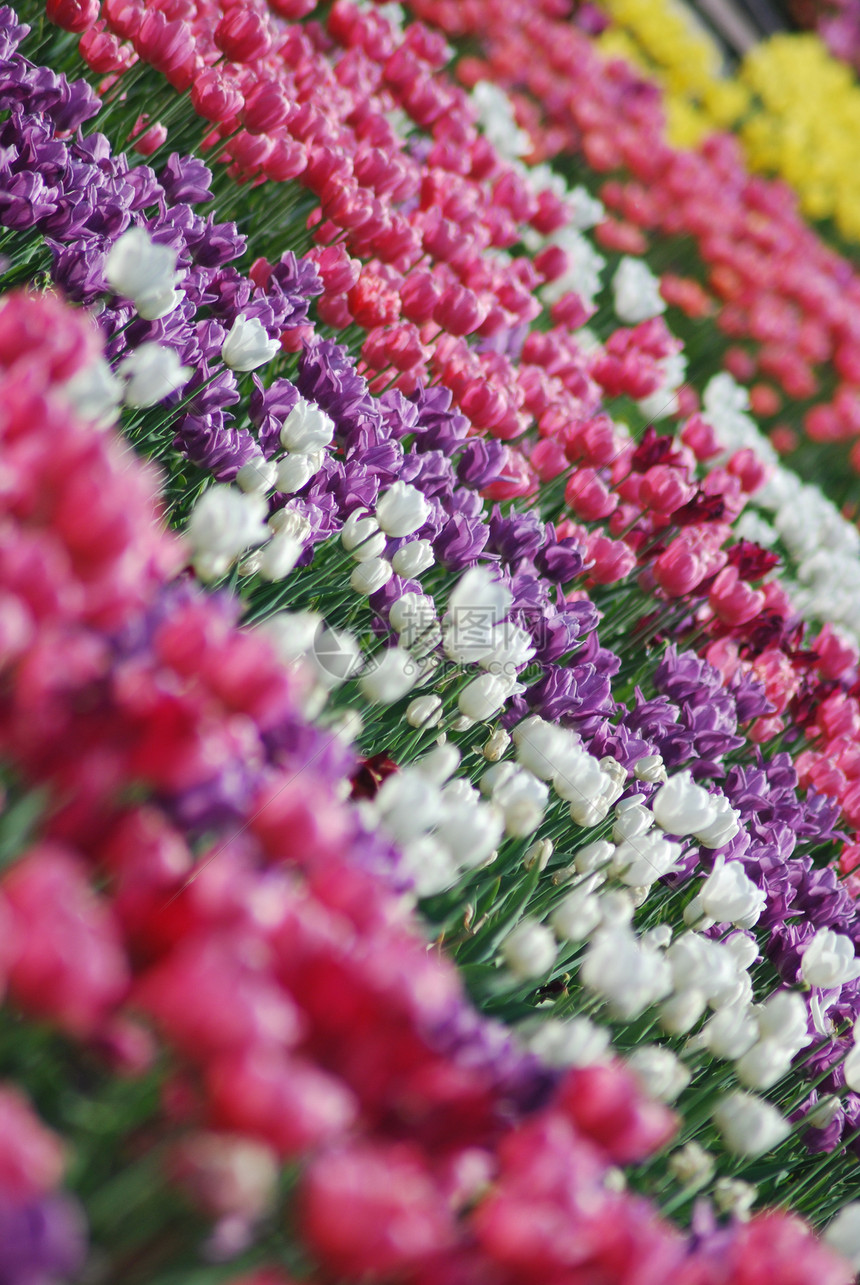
[(495, 747), (691, 1166)]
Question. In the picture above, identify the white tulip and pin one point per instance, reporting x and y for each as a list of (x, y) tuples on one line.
[(743, 948), (636, 292), (529, 951), (224, 521), (681, 807), (842, 1235), (441, 764), (616, 908), (639, 862), (576, 917), (579, 778), (306, 429), (158, 302), (496, 777), (851, 1069), (749, 1126), (279, 556), (730, 1033), (538, 854), (424, 711), (763, 1064), (471, 830), (293, 472), (662, 1075), (496, 744), (512, 647), (369, 576), (293, 633), (412, 559), (784, 1018), (483, 697), (523, 799), (401, 510), (691, 1166), (336, 657), (823, 1113), (413, 617), (248, 345), (476, 604), (256, 475), (650, 768), (538, 745), (828, 960), (144, 272), (628, 975), (151, 373), (593, 856), (94, 393), (723, 827), (430, 865), (588, 812), (408, 804), (577, 1042), (728, 895), (631, 821), (290, 521), (734, 1197), (390, 678), (680, 1013)]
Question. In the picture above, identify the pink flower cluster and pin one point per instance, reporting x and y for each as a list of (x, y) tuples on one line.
[(793, 301)]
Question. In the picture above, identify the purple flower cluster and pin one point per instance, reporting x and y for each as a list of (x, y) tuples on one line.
[(82, 198), (41, 1241)]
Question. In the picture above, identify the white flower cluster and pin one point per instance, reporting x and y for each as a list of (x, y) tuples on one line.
[(495, 116), (636, 292), (825, 547), (441, 825), (226, 522), (149, 373), (584, 266), (400, 511)]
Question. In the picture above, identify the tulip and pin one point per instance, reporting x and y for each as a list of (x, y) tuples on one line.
[(401, 510), (248, 346), (829, 960), (529, 951), (152, 372), (749, 1126)]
